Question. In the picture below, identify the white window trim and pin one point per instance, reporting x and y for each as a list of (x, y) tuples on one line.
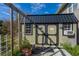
[(29, 33), (65, 32)]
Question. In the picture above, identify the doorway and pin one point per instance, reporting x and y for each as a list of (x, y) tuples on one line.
[(47, 34)]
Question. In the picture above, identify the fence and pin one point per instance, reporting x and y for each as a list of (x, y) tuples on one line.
[(5, 47)]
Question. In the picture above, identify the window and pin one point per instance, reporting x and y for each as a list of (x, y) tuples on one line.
[(67, 27), (28, 29)]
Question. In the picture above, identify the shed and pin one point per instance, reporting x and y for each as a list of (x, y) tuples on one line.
[(49, 29)]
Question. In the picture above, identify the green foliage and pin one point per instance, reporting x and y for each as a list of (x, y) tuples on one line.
[(26, 44), (3, 28), (17, 52), (1, 23), (72, 50), (2, 38)]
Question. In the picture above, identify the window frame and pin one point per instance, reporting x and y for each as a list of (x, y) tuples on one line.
[(28, 28), (71, 28)]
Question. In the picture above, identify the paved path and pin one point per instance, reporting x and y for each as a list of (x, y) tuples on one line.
[(50, 51)]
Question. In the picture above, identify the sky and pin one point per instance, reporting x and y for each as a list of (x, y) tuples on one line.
[(30, 8), (39, 8)]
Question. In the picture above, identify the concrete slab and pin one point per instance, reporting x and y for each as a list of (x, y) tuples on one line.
[(66, 53)]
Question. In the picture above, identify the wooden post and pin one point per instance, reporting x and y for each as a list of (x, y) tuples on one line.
[(11, 29), (19, 29), (24, 27)]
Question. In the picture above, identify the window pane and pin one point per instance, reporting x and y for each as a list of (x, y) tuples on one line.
[(28, 29), (67, 27)]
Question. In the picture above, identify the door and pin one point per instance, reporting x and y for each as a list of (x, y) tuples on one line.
[(53, 34), (47, 34)]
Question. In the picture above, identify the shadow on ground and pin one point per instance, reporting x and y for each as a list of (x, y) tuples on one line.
[(41, 51)]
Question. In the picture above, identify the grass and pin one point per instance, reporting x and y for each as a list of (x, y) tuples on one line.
[(74, 51)]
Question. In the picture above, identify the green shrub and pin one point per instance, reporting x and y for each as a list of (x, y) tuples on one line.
[(72, 50), (26, 44), (17, 52)]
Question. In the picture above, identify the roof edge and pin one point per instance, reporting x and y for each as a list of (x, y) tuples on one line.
[(50, 14)]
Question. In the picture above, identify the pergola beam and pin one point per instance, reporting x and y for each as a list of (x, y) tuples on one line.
[(15, 8)]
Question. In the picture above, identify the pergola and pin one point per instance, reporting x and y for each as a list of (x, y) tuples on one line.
[(21, 15)]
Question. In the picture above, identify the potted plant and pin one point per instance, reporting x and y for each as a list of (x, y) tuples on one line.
[(26, 48)]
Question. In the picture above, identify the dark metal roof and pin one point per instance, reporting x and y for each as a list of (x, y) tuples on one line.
[(51, 18)]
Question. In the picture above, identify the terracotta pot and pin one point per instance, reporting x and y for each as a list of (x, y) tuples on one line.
[(26, 52)]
